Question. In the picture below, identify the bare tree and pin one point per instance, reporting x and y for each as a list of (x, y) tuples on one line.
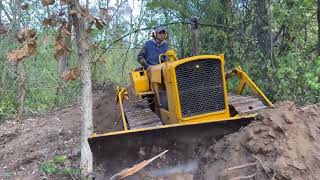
[(1, 12), (263, 30), (86, 101), (20, 90)]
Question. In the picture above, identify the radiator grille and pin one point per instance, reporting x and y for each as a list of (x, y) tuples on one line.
[(200, 87)]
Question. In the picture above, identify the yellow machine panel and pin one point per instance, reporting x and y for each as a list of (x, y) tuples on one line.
[(140, 81)]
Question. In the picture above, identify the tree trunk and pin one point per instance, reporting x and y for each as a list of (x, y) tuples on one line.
[(1, 12), (87, 4), (318, 18), (86, 100), (263, 32), (195, 37), (5, 12), (20, 90)]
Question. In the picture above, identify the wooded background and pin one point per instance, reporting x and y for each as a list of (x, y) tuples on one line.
[(275, 41)]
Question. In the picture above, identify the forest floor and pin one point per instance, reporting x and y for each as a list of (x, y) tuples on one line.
[(282, 143)]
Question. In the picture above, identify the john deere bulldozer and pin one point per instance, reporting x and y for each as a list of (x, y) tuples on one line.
[(183, 106)]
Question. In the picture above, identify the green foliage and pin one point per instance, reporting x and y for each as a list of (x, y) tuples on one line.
[(48, 167), (7, 105), (295, 76), (59, 159), (59, 164)]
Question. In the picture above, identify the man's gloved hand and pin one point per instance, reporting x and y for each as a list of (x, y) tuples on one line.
[(143, 62), (149, 67)]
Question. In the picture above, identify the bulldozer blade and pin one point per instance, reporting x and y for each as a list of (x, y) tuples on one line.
[(186, 144)]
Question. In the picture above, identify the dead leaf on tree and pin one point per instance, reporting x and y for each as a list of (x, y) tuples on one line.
[(99, 23), (72, 12), (59, 47), (89, 30), (29, 48), (17, 55), (103, 12), (64, 2), (48, 22), (32, 45), (24, 6), (3, 29), (25, 34), (85, 13), (72, 74), (61, 13), (66, 31), (47, 2)]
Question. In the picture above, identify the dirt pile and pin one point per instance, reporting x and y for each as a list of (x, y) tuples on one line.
[(283, 143), (27, 145)]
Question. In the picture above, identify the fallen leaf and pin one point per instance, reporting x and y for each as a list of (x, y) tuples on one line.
[(47, 2), (72, 74)]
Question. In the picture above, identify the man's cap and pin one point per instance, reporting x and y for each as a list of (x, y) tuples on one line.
[(159, 29)]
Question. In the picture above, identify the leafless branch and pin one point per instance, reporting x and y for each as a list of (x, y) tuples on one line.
[(244, 177), (241, 166), (264, 168)]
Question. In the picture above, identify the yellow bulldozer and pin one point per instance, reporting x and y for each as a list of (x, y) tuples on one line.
[(183, 107)]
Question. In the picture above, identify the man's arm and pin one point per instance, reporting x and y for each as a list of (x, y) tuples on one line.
[(141, 57)]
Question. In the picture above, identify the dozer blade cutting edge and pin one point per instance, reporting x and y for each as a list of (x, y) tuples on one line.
[(186, 145)]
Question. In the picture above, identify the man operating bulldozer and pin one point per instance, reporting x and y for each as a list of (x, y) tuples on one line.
[(149, 54)]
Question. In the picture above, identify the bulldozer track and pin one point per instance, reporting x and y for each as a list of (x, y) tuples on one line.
[(139, 115)]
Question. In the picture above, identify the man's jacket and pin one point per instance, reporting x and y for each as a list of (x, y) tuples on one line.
[(151, 51)]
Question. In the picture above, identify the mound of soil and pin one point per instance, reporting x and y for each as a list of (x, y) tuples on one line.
[(26, 144), (283, 143)]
